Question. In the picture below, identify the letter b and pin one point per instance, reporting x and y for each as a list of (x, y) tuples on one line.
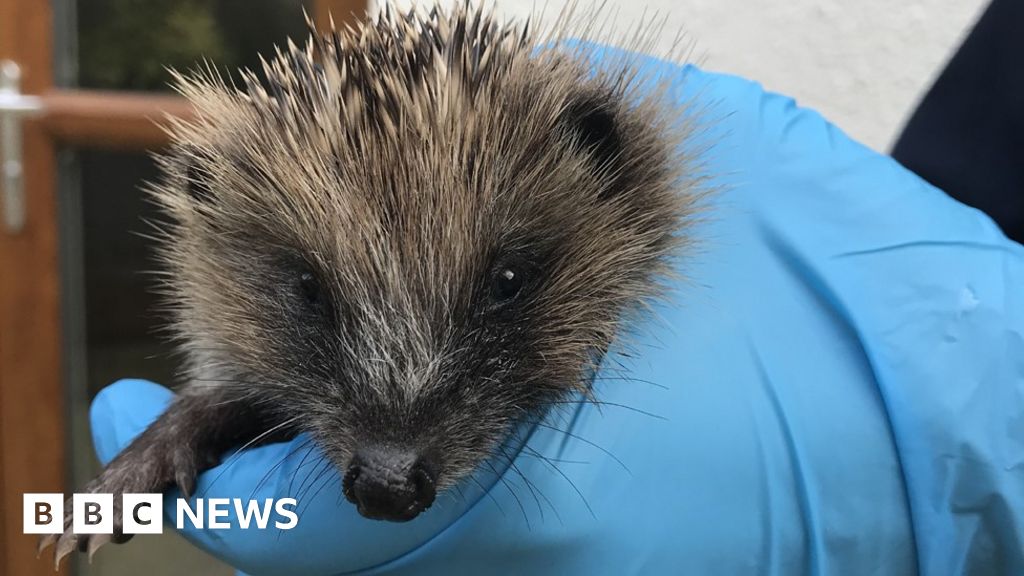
[(43, 513), (93, 514)]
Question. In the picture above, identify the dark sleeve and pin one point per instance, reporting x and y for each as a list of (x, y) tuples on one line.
[(967, 135)]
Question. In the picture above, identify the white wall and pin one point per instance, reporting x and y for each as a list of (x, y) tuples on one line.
[(862, 63)]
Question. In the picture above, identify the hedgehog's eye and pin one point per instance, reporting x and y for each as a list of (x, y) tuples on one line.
[(309, 286), (507, 283), (312, 297)]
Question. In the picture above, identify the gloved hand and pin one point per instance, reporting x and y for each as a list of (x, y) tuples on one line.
[(837, 389)]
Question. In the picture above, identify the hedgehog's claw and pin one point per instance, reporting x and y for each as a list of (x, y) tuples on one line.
[(68, 542), (186, 482), (95, 542), (44, 542), (65, 545)]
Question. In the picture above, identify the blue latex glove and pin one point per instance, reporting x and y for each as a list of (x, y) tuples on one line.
[(838, 390)]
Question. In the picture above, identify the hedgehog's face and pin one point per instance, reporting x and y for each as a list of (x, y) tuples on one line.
[(413, 281)]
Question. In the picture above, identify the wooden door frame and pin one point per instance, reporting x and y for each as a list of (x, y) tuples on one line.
[(33, 412), (32, 441)]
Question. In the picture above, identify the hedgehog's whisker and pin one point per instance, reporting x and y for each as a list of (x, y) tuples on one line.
[(501, 478), (266, 476), (230, 461), (550, 463), (600, 403)]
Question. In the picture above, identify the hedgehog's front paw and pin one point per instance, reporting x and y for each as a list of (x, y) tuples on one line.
[(129, 473)]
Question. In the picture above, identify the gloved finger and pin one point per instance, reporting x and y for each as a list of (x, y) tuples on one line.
[(121, 411)]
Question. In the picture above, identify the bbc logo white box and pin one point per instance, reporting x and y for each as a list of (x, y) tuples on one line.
[(142, 513), (93, 514), (43, 513)]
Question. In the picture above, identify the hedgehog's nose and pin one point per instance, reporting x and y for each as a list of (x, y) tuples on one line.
[(387, 484)]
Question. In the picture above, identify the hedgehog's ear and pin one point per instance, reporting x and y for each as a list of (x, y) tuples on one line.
[(591, 121)]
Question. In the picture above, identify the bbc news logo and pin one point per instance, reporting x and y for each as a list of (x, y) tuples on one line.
[(143, 513)]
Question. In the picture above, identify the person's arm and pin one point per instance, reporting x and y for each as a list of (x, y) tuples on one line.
[(967, 134)]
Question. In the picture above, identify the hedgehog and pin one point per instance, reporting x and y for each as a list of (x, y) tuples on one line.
[(403, 239)]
